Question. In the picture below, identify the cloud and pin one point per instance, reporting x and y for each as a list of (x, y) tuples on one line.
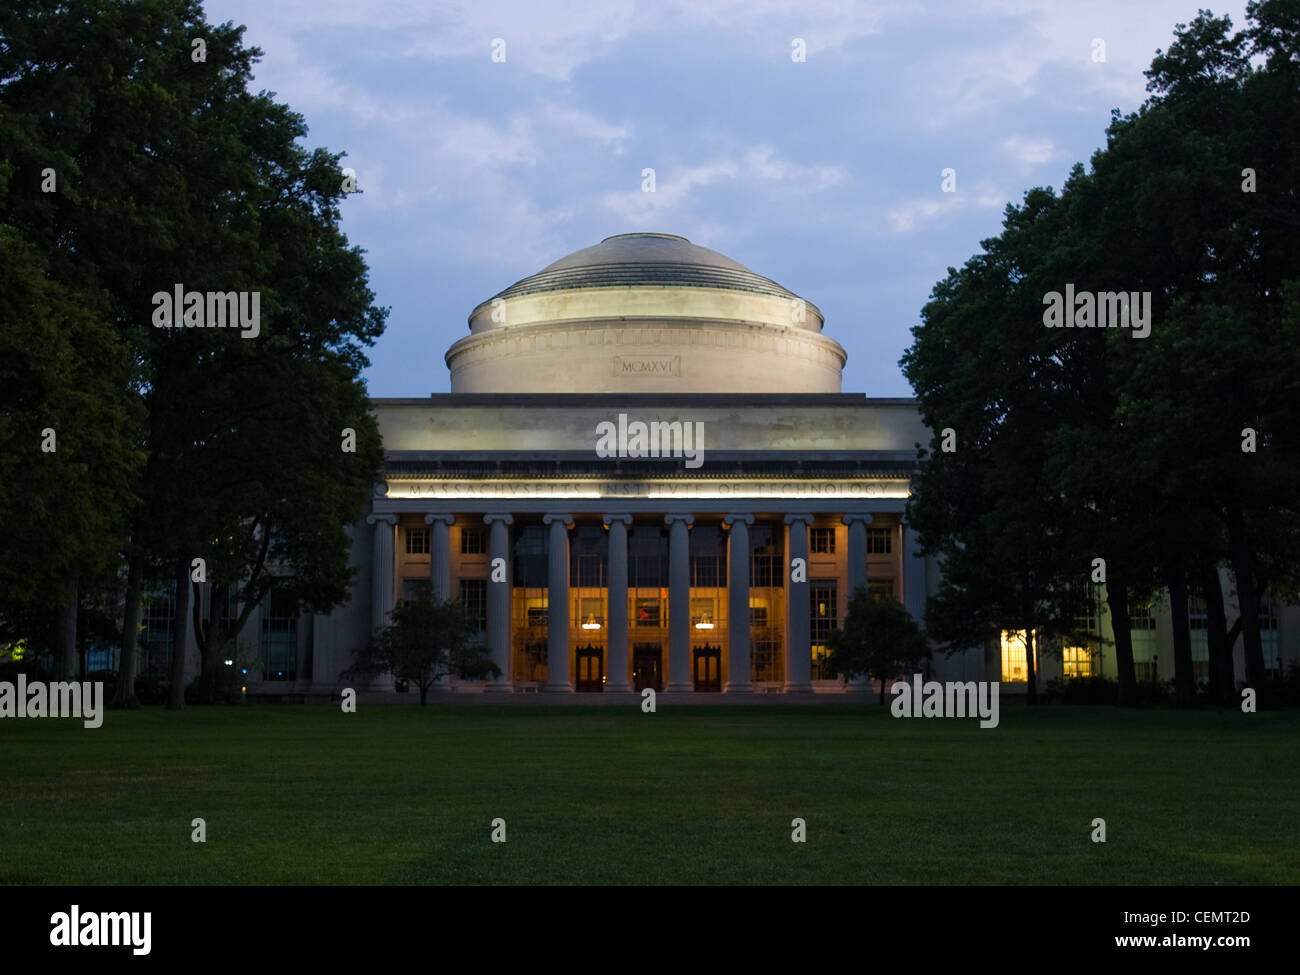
[(1031, 152)]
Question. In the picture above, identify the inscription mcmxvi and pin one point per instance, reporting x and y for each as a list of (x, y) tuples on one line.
[(668, 365)]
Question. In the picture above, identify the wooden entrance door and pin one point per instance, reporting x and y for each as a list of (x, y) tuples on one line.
[(707, 667), (647, 667), (591, 668)]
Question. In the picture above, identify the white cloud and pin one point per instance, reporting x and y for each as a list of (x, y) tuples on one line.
[(1031, 152)]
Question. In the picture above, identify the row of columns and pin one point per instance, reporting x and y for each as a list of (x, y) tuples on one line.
[(798, 652)]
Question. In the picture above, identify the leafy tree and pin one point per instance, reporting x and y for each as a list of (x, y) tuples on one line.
[(879, 638), (169, 170), (67, 458), (428, 639)]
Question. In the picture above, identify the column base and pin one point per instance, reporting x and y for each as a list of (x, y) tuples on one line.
[(792, 688), (623, 688), (565, 688), (504, 687), (680, 688), (738, 688)]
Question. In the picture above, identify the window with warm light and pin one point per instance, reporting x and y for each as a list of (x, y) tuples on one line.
[(703, 616), (1014, 666), (1076, 661)]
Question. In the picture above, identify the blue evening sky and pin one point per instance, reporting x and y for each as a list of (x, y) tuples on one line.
[(822, 175)]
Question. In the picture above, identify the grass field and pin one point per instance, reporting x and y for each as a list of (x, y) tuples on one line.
[(404, 795)]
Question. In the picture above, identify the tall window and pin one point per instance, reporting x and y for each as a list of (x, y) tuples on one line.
[(880, 540), (821, 541), (473, 593), (472, 541), (824, 618), (156, 638), (417, 540), (766, 563), (765, 660), (1268, 633), (279, 636), (1014, 651), (708, 571), (1140, 618)]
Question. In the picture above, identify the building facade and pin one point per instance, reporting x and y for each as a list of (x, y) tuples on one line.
[(646, 475)]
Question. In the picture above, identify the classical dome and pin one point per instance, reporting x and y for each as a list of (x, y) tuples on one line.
[(645, 259), (645, 313)]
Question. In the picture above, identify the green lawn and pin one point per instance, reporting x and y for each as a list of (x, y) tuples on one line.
[(404, 795)]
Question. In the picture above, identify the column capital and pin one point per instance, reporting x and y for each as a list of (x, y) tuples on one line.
[(445, 519), (676, 516), (611, 519), (387, 519), (562, 517), (504, 519), (802, 516), (730, 520), (856, 516)]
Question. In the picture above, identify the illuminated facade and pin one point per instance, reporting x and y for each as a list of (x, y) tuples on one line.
[(648, 442), (647, 448)]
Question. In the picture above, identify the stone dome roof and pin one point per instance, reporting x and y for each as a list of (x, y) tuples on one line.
[(627, 260), (645, 312)]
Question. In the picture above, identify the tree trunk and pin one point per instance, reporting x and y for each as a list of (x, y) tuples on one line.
[(180, 629), (1117, 600), (1247, 599), (211, 643), (1223, 682), (128, 666), (1031, 672), (1184, 680), (65, 655)]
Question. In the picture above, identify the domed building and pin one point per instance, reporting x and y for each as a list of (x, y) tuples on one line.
[(646, 313), (645, 475)]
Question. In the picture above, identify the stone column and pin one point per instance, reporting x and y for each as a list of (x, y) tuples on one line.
[(616, 608), (440, 554), (440, 567), (798, 607), (738, 604), (679, 603), (857, 556), (382, 570), (557, 602), (914, 581), (498, 608)]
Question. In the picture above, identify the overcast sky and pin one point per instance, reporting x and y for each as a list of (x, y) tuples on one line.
[(823, 175)]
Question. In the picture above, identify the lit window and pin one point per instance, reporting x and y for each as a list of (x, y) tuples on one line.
[(1013, 656), (1077, 661), (824, 618)]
